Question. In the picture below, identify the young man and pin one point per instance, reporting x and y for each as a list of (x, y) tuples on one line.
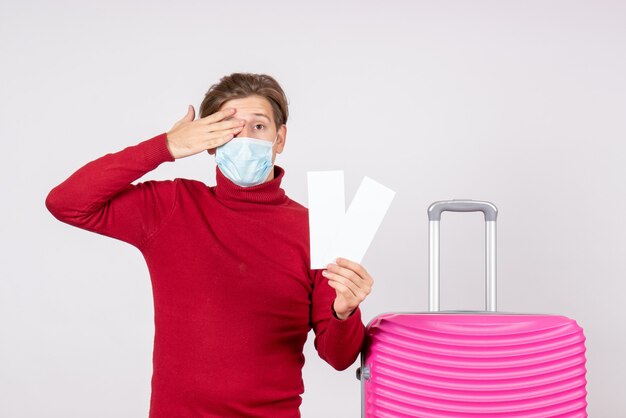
[(234, 297)]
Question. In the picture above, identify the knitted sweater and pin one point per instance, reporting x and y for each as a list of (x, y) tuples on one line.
[(234, 296)]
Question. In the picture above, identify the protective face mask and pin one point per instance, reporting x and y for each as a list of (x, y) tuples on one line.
[(245, 161)]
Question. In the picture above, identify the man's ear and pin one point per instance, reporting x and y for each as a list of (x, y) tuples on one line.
[(282, 138)]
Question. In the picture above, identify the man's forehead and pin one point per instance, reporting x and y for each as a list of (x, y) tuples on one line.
[(247, 111), (250, 106)]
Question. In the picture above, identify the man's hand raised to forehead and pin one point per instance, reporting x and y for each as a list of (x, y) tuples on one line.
[(188, 136)]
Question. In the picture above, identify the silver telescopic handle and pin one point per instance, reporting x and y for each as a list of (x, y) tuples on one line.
[(434, 217)]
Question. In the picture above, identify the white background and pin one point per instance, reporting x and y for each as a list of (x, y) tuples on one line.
[(519, 103)]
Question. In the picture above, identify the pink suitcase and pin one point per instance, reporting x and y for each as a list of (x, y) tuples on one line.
[(457, 364)]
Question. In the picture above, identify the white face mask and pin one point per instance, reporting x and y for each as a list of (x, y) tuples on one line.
[(245, 161)]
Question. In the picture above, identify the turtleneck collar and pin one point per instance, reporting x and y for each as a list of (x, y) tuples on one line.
[(269, 192)]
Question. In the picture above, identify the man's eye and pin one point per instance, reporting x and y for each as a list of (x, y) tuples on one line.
[(258, 124)]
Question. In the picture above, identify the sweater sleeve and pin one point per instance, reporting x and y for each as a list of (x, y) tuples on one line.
[(99, 196), (337, 341)]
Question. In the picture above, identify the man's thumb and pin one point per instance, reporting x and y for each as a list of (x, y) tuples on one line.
[(191, 114)]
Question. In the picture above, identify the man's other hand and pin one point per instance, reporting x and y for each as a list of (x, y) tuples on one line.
[(351, 282)]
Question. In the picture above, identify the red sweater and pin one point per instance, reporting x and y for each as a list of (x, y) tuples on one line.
[(234, 297)]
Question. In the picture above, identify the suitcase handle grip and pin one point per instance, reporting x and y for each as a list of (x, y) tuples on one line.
[(434, 217), (487, 208)]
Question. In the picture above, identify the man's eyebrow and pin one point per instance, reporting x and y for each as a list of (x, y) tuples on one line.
[(257, 114), (263, 115)]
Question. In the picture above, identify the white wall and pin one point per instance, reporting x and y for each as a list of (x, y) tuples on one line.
[(520, 103)]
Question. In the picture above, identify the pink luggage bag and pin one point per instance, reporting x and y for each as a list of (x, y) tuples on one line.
[(457, 364)]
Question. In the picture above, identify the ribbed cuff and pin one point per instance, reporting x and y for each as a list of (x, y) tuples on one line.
[(350, 318), (155, 149)]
